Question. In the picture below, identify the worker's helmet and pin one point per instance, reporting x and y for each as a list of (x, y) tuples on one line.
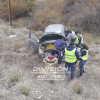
[(82, 44), (77, 32)]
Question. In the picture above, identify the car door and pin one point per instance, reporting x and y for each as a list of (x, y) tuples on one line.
[(34, 40)]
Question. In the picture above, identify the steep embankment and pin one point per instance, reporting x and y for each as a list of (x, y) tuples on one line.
[(17, 79)]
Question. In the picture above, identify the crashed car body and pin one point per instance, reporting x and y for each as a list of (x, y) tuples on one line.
[(51, 34)]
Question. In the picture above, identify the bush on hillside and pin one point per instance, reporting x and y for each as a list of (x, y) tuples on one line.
[(83, 14), (90, 22), (24, 90), (3, 0), (42, 19), (50, 14), (18, 9)]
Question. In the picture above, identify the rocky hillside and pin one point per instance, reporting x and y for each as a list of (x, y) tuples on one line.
[(18, 82), (84, 15)]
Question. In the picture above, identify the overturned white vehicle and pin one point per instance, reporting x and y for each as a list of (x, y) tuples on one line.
[(45, 44)]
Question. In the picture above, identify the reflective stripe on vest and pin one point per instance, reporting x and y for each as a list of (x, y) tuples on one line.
[(85, 56), (77, 39), (70, 56)]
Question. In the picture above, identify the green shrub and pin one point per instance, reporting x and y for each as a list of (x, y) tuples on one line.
[(24, 90), (15, 78)]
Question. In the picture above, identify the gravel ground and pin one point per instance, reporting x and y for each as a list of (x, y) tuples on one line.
[(17, 57)]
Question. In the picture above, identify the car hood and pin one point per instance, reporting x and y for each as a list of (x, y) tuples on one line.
[(49, 37)]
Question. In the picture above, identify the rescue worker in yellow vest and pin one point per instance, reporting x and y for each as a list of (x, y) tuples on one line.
[(79, 38), (83, 57), (71, 55)]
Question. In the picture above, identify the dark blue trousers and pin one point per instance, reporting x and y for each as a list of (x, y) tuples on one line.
[(81, 65), (73, 67), (60, 59), (73, 40)]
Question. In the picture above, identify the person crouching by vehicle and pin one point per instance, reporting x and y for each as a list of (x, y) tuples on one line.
[(83, 57), (71, 56), (79, 38), (69, 33), (60, 45)]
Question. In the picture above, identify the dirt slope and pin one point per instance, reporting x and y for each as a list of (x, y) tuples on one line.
[(17, 58)]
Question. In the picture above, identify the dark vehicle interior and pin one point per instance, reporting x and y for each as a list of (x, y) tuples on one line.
[(50, 37)]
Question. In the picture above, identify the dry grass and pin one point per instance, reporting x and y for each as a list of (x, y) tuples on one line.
[(19, 8), (12, 74), (91, 2), (50, 13), (77, 87), (96, 39), (17, 45), (18, 22), (16, 8), (87, 39), (15, 78), (24, 90), (90, 39), (22, 50), (55, 4), (42, 19), (71, 28), (83, 15), (97, 42)]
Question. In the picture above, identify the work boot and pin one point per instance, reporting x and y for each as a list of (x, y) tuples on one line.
[(72, 77), (79, 75)]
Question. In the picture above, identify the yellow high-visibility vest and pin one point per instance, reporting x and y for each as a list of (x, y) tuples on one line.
[(77, 39), (70, 56), (85, 56)]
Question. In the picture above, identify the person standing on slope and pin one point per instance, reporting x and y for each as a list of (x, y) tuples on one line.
[(83, 57), (71, 56), (79, 39)]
